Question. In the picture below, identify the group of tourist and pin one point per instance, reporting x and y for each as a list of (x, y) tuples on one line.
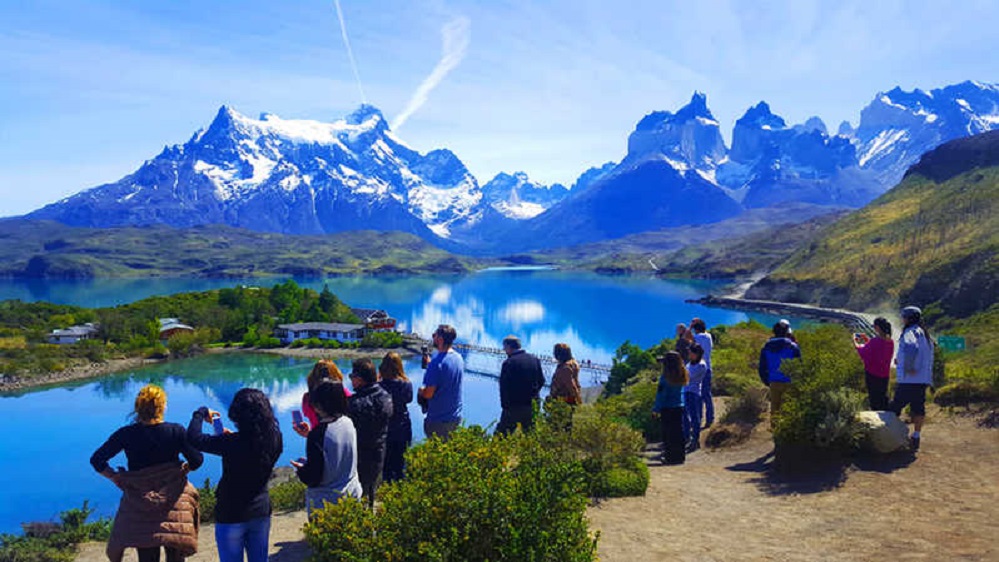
[(684, 387), (355, 439), (683, 393)]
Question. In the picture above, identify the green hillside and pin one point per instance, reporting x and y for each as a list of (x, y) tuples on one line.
[(932, 241), (48, 249)]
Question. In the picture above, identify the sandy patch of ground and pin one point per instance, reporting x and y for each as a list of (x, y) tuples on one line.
[(942, 504)]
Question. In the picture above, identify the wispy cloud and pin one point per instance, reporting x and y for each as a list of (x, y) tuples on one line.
[(350, 51), (456, 34)]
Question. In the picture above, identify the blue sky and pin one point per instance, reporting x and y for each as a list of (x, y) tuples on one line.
[(88, 90)]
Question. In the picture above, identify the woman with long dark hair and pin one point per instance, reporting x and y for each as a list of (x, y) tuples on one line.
[(243, 506), (669, 407), (876, 354), (151, 447), (400, 428), (565, 380)]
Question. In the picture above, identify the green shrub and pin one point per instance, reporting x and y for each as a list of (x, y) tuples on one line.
[(206, 501), (747, 407), (629, 360), (473, 498), (619, 482), (966, 393), (633, 406), (54, 542), (268, 342), (382, 340), (820, 406), (288, 496)]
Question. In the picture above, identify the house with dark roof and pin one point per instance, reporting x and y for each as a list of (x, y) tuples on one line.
[(73, 334), (343, 333), (375, 320)]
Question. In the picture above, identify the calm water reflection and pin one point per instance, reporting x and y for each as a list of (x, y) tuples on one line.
[(47, 436)]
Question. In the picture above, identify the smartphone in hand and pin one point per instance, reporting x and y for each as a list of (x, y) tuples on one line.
[(296, 417), (217, 425)]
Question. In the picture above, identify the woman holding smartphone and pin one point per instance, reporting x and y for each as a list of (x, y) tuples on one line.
[(243, 506), (151, 447), (876, 354)]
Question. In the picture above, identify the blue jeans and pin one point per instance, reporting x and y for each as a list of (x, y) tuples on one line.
[(251, 536), (709, 405), (692, 417)]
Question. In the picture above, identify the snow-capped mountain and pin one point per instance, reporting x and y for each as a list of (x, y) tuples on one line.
[(771, 163), (292, 176), (515, 196), (897, 127), (689, 139)]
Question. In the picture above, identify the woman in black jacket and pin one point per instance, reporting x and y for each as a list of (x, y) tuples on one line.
[(243, 506), (400, 429)]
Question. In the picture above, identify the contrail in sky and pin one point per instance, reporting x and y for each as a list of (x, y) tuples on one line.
[(455, 36), (350, 52)]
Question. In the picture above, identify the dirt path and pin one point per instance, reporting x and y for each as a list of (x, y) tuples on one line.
[(725, 505), (942, 505)]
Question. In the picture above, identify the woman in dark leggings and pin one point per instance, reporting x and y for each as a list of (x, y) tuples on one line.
[(148, 442), (669, 407), (243, 506), (876, 354)]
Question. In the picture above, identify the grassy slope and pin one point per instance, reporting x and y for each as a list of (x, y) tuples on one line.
[(923, 242), (217, 251)]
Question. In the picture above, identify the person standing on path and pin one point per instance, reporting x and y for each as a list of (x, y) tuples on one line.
[(151, 448), (914, 373), (702, 337), (697, 369), (441, 390), (876, 354), (400, 429), (370, 408), (775, 351), (565, 380), (242, 504), (668, 407), (520, 383), (329, 468)]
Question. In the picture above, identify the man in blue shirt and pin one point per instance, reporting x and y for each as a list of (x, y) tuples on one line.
[(775, 351), (441, 388)]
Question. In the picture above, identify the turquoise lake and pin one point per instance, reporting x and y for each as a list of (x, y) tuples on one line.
[(48, 435)]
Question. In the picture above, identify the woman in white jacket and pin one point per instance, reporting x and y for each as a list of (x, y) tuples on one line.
[(914, 370)]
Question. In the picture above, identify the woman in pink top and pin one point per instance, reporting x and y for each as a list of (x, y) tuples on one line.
[(323, 370), (876, 354)]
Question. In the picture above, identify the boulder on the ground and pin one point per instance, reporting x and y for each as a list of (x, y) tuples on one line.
[(883, 432)]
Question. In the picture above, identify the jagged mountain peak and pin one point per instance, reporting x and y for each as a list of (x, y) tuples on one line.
[(364, 113), (762, 117), (687, 139)]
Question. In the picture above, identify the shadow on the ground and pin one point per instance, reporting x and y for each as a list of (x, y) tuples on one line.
[(290, 551), (884, 464), (798, 475), (810, 474)]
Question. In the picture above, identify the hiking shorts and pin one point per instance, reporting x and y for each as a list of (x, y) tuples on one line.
[(912, 395)]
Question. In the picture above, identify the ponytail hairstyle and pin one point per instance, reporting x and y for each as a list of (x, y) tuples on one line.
[(253, 416), (674, 369)]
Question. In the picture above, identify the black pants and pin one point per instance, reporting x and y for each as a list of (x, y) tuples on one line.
[(370, 465), (673, 441), (395, 460), (153, 554), (877, 392), (511, 417)]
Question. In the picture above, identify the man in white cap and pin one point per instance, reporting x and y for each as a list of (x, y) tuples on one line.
[(914, 371)]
